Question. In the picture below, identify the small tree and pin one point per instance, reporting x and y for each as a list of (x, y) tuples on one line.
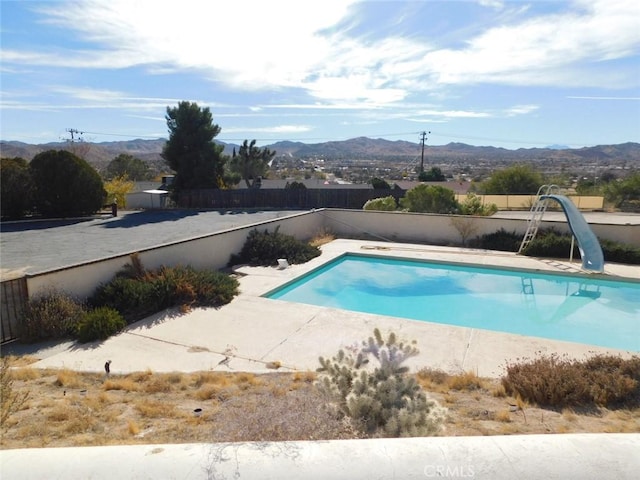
[(473, 205), (385, 204), (433, 175), (380, 184), (430, 199), (295, 186), (625, 190), (11, 399), (65, 185), (117, 189), (129, 166), (384, 401), (519, 179), (251, 162), (16, 187), (466, 226)]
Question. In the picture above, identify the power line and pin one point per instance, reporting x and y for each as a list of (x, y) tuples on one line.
[(438, 134), (72, 132)]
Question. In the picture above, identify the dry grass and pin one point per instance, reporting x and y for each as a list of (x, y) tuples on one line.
[(69, 409), (322, 237)]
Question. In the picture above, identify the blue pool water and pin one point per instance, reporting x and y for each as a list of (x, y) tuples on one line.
[(581, 309)]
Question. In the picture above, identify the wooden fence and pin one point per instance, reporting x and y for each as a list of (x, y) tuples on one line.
[(349, 198), (297, 199), (13, 297)]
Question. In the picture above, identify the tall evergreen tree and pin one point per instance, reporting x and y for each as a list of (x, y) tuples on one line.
[(190, 151), (251, 162)]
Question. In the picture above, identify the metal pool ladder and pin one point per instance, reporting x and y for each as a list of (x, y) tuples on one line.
[(538, 208)]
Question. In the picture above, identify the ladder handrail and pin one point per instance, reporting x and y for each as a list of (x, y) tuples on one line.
[(538, 207)]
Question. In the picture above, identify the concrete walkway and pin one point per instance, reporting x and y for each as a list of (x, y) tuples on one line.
[(530, 457)]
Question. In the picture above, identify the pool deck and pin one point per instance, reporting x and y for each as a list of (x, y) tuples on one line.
[(252, 331)]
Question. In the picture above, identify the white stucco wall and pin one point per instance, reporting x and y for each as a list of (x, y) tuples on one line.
[(213, 251)]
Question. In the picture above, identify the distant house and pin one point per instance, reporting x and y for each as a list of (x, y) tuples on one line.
[(147, 195)]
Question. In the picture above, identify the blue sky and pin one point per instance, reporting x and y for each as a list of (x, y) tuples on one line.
[(488, 72)]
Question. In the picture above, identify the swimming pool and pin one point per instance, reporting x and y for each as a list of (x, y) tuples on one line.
[(581, 308)]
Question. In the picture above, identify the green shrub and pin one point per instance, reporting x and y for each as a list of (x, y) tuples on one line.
[(620, 252), (551, 380), (384, 204), (384, 401), (133, 298), (549, 243), (51, 315), (99, 324), (265, 248), (137, 293), (472, 205), (552, 244), (500, 240)]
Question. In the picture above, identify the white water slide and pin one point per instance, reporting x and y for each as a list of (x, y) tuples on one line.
[(588, 244)]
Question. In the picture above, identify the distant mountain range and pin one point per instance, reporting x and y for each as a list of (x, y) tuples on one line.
[(356, 149)]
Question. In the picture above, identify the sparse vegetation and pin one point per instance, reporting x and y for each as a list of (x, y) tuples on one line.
[(557, 381), (552, 244), (53, 314), (99, 324), (384, 204), (322, 237), (122, 409), (136, 293), (265, 248), (12, 399), (382, 400)]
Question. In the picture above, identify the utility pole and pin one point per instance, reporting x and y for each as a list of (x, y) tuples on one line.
[(73, 132), (424, 136)]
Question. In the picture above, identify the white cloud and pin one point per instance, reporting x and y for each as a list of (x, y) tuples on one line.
[(273, 129), (605, 98), (249, 45), (497, 4), (521, 110), (539, 51)]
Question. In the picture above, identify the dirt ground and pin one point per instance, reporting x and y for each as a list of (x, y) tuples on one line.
[(65, 408)]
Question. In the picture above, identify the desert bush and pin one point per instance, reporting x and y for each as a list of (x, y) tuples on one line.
[(384, 400), (550, 243), (557, 381), (137, 293), (472, 205), (265, 248), (499, 240), (133, 298), (51, 315), (384, 204), (620, 252), (11, 400), (99, 324)]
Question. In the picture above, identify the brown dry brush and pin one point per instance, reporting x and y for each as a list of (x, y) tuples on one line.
[(11, 400), (558, 381)]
